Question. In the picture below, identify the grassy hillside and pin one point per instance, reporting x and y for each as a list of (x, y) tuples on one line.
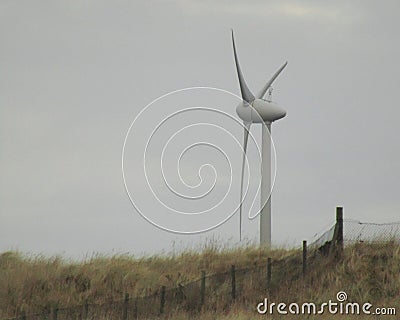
[(367, 273)]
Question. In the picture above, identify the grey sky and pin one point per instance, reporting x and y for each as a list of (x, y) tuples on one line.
[(74, 74)]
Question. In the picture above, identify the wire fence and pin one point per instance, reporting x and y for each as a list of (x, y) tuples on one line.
[(219, 291), (323, 238), (358, 232), (215, 291), (355, 231)]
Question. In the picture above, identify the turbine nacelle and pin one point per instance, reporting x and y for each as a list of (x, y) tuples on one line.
[(259, 111)]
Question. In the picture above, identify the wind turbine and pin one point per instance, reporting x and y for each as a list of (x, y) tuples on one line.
[(255, 109)]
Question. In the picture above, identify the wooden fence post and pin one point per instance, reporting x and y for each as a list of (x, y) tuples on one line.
[(339, 222), (135, 308), (125, 307), (54, 313), (336, 245), (269, 273), (233, 278), (304, 257), (162, 300), (203, 288), (180, 295), (85, 310)]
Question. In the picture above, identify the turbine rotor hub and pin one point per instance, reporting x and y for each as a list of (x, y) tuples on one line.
[(259, 111)]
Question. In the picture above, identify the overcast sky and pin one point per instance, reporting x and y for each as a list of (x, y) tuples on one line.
[(74, 74)]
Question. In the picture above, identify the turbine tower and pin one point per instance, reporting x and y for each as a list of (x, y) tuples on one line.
[(255, 109)]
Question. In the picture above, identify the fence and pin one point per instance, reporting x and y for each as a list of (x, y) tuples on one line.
[(219, 291), (354, 231), (358, 232)]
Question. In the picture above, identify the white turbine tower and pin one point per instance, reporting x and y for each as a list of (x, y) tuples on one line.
[(254, 109)]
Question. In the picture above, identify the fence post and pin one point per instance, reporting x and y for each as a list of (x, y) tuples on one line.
[(180, 294), (54, 313), (336, 245), (135, 308), (339, 222), (233, 278), (125, 307), (162, 300), (304, 257), (85, 310), (269, 273), (203, 287)]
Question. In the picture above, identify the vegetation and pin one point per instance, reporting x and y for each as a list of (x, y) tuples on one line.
[(367, 273)]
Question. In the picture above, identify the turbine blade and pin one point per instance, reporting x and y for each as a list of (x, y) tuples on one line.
[(246, 93), (262, 92), (246, 138)]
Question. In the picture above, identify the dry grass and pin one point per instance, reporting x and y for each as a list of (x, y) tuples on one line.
[(368, 273), (36, 283)]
